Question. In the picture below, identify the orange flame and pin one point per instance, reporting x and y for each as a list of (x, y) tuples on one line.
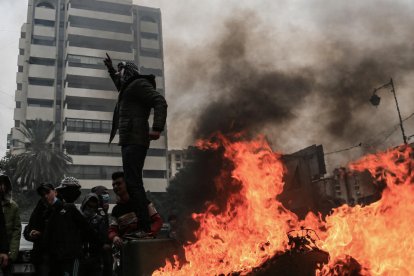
[(244, 235), (254, 224), (378, 236)]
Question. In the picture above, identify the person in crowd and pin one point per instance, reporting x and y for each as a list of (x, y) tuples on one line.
[(137, 96), (4, 244), (64, 233), (10, 213), (92, 263), (69, 189), (35, 229), (104, 199), (124, 221)]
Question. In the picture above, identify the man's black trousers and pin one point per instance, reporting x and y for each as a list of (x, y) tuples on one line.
[(133, 158)]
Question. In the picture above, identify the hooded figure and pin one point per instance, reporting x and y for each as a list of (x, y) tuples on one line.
[(137, 97), (91, 264), (69, 189), (10, 216)]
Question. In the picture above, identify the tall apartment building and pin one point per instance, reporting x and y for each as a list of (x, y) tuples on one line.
[(61, 78)]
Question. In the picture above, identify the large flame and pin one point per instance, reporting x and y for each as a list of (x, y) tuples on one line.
[(379, 236), (254, 224)]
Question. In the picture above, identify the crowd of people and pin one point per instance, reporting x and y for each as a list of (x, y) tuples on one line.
[(68, 240)]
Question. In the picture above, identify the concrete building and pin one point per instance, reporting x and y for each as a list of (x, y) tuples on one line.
[(179, 159), (61, 78)]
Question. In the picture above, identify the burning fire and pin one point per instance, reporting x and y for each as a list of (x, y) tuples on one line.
[(379, 236), (254, 224)]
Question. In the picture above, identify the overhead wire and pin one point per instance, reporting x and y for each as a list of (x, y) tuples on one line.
[(377, 142)]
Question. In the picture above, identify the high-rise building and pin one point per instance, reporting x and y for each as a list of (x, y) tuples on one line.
[(61, 78)]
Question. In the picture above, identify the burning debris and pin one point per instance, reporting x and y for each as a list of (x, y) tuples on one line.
[(247, 236)]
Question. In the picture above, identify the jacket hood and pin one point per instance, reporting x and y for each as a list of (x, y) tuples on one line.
[(87, 198)]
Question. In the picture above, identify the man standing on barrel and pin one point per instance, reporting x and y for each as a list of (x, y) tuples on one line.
[(137, 96)]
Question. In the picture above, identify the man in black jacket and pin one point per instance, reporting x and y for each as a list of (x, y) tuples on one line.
[(137, 96), (60, 234)]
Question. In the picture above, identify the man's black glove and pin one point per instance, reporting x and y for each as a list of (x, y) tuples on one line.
[(108, 64)]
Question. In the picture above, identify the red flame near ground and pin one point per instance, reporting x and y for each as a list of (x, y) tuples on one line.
[(254, 224)]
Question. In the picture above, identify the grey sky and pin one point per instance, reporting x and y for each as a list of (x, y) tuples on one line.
[(293, 37)]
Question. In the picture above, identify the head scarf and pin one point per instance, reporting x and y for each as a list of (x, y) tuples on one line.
[(129, 71)]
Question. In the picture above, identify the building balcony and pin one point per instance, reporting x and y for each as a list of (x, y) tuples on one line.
[(99, 53), (18, 114), (99, 34), (19, 96), (20, 60), (43, 31), (22, 43), (78, 71), (86, 114), (41, 71), (44, 113), (19, 77), (42, 51), (88, 136), (103, 15), (90, 93), (150, 43), (41, 92), (149, 62), (45, 14), (149, 27)]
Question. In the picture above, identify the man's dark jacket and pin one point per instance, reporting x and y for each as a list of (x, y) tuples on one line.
[(63, 228), (4, 245), (37, 221), (135, 100), (65, 231)]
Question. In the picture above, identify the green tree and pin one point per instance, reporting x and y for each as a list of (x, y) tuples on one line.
[(8, 164), (41, 161)]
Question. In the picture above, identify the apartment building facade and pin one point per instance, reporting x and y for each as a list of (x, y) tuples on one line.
[(61, 78)]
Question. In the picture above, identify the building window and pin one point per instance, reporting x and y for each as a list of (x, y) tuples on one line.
[(18, 104), (44, 42), (17, 123), (22, 35), (21, 52), (46, 23), (100, 43), (20, 68), (150, 53), (99, 24), (90, 82), (149, 35), (39, 103), (148, 71), (42, 61), (41, 82), (91, 105), (82, 125), (19, 86)]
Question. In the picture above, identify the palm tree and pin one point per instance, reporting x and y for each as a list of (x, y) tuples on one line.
[(41, 161)]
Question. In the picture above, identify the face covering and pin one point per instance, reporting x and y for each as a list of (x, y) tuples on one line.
[(89, 212), (127, 70), (105, 199)]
